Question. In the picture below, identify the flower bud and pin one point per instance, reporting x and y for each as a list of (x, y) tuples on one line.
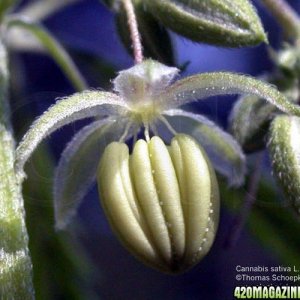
[(229, 23), (249, 122), (162, 202), (284, 147)]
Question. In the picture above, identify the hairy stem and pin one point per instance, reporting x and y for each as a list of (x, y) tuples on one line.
[(285, 16), (250, 198), (134, 32), (15, 262)]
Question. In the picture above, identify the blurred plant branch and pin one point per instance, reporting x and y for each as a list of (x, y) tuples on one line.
[(285, 16), (15, 262), (55, 50), (35, 12), (40, 10)]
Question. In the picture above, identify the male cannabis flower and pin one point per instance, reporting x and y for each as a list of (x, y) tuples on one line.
[(145, 98), (162, 203)]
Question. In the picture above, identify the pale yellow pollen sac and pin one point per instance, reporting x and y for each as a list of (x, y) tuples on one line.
[(161, 201)]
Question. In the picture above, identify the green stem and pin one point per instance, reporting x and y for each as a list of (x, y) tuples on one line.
[(134, 31), (285, 16), (15, 262)]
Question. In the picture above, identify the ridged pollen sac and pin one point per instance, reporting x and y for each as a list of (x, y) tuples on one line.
[(161, 201)]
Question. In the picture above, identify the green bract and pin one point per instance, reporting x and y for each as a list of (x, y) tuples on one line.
[(284, 149), (163, 203), (144, 98), (230, 23)]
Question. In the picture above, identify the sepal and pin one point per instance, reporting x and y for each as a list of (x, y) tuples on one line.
[(77, 166), (206, 85), (230, 23), (78, 106)]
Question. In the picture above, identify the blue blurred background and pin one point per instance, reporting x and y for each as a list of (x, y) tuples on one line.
[(88, 31)]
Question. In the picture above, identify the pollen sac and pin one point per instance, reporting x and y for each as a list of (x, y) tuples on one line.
[(161, 201), (284, 150)]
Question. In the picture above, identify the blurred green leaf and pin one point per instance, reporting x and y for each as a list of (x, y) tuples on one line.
[(5, 5), (230, 23), (287, 59), (56, 51), (40, 10), (55, 255), (286, 17)]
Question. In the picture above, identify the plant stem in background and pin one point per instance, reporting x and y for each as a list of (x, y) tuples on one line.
[(134, 32), (250, 197), (55, 50), (15, 262), (285, 16), (41, 10)]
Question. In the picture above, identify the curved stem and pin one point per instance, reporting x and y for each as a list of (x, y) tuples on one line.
[(250, 198), (134, 32), (40, 10), (285, 16), (54, 48)]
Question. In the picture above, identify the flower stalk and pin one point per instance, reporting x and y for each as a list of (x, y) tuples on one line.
[(134, 32), (15, 262), (285, 16)]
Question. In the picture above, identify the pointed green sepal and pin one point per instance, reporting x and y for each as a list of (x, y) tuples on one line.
[(75, 107), (230, 23), (77, 167)]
